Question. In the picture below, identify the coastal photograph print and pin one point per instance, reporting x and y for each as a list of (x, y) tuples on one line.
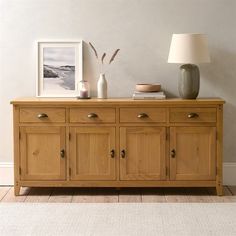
[(60, 67)]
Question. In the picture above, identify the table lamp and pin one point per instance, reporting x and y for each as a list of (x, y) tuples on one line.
[(189, 49)]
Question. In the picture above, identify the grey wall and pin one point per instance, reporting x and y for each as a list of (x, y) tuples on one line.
[(142, 29)]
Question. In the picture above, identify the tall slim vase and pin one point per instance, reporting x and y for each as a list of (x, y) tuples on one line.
[(102, 86)]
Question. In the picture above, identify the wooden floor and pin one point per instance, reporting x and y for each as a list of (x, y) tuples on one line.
[(105, 195)]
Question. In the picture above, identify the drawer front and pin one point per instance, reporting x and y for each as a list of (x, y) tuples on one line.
[(42, 115), (143, 115), (193, 115), (93, 115)]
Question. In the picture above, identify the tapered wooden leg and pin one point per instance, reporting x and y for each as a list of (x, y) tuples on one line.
[(219, 190), (17, 190)]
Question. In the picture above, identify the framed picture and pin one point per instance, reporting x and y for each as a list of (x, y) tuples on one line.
[(60, 68)]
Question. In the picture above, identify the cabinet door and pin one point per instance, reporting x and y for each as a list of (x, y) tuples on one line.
[(142, 153), (192, 153), (41, 153), (91, 156)]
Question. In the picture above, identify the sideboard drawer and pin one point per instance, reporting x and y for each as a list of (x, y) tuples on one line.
[(193, 115), (93, 115), (142, 114), (42, 115)]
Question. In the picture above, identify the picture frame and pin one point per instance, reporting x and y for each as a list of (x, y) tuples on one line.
[(59, 68)]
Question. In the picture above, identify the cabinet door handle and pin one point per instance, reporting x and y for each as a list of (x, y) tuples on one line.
[(142, 115), (42, 115), (173, 153), (193, 115), (123, 153), (62, 153), (92, 115), (112, 153)]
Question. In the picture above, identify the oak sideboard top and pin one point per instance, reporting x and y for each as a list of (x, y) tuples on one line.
[(115, 101)]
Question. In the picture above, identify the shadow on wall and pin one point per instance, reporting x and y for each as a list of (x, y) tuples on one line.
[(169, 94), (90, 67), (221, 76), (221, 72), (229, 132)]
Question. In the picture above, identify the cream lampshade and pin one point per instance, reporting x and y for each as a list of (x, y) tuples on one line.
[(189, 49)]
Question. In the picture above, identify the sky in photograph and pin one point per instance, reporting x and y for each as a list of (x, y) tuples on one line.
[(59, 56)]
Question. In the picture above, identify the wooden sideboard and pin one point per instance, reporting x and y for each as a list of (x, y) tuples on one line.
[(118, 143)]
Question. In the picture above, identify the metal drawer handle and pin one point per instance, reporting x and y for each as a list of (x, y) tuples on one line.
[(123, 153), (42, 115), (62, 153), (193, 115), (142, 115), (112, 153), (92, 115), (173, 153)]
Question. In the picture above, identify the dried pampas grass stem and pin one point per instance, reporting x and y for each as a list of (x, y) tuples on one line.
[(114, 55), (103, 57), (102, 63), (95, 51)]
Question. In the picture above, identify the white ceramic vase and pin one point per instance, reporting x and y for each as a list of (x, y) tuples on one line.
[(102, 86)]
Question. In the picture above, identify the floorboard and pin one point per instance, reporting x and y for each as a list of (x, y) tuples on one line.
[(113, 195), (153, 195), (232, 189), (228, 196), (93, 195), (10, 196), (3, 192), (198, 195), (130, 195), (62, 195), (39, 195), (175, 195)]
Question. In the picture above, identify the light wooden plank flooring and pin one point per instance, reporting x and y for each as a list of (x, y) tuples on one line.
[(114, 195)]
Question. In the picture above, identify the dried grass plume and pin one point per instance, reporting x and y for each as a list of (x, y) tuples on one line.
[(93, 48), (114, 55), (101, 61)]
